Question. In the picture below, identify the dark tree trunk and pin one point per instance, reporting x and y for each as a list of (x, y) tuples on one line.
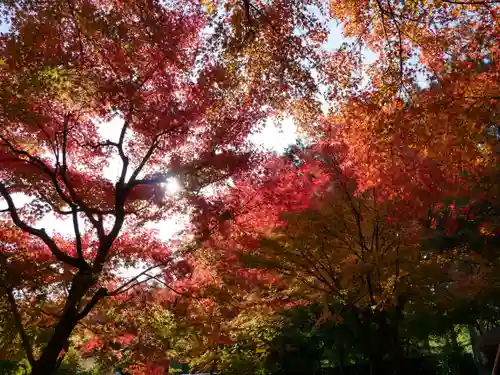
[(341, 358), (397, 345), (49, 361)]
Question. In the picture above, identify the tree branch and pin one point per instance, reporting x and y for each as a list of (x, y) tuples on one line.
[(19, 325), (123, 286), (40, 165), (78, 237), (100, 294), (40, 233), (150, 181), (121, 151), (133, 285), (63, 168), (153, 277)]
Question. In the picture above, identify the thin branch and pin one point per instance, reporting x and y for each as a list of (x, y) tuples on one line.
[(78, 31), (78, 236), (65, 144), (400, 44), (64, 167), (52, 146), (132, 286), (62, 212), (121, 151), (87, 327), (247, 13), (106, 241), (155, 277), (150, 181), (123, 286), (106, 143), (148, 155), (19, 325), (53, 206), (53, 315), (40, 233), (36, 162)]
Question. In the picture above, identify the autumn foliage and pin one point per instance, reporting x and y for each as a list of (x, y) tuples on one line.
[(106, 103)]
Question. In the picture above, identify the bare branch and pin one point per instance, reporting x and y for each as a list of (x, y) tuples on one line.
[(149, 153), (53, 175), (64, 167), (146, 157), (155, 277), (151, 181), (74, 213), (123, 286), (132, 286), (106, 241), (53, 206), (106, 143), (17, 316), (121, 152), (78, 237), (40, 233), (77, 26), (19, 324), (36, 162)]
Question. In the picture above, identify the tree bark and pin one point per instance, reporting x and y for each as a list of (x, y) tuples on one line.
[(48, 362)]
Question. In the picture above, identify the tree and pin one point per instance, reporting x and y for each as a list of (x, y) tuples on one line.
[(303, 224), (67, 68), (185, 83), (304, 221)]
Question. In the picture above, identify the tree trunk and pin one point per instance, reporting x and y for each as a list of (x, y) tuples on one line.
[(341, 358), (397, 349), (49, 362), (474, 335), (427, 345)]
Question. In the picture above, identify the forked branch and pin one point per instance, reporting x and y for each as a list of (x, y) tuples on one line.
[(40, 233)]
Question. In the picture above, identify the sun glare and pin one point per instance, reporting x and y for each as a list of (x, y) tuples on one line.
[(172, 186)]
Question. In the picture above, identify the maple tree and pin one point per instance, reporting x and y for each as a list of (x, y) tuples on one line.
[(408, 149), (304, 224), (184, 84), (67, 68), (305, 221)]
